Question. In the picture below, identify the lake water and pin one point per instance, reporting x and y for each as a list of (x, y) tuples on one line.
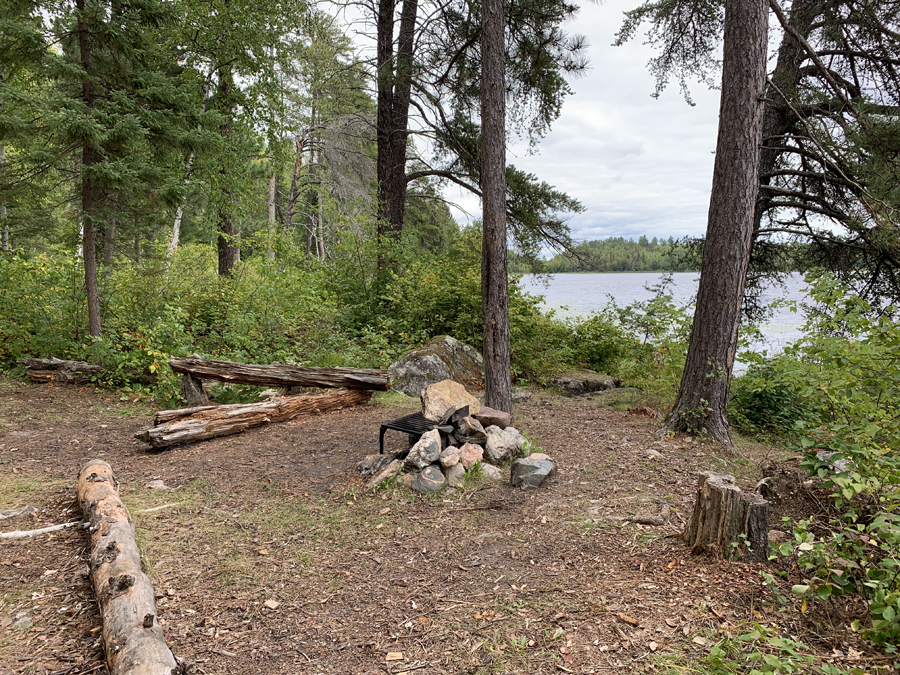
[(580, 294)]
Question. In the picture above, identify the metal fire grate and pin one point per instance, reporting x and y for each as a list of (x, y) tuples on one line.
[(415, 425)]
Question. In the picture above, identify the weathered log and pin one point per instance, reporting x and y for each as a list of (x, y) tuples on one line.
[(726, 522), (133, 639), (279, 375), (78, 372), (60, 370), (195, 424)]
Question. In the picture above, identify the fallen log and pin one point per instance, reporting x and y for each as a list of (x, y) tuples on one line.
[(726, 522), (203, 422), (279, 375), (133, 639), (60, 370)]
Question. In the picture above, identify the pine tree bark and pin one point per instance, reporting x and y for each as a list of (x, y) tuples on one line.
[(90, 197), (395, 74), (703, 393), (226, 241), (271, 244), (494, 277)]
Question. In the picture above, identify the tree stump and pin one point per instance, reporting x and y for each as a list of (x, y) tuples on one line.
[(132, 637), (192, 390), (727, 523)]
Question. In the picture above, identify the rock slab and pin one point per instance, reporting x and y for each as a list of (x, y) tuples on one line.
[(529, 473), (488, 417), (469, 430), (391, 470), (442, 358), (442, 396), (583, 382)]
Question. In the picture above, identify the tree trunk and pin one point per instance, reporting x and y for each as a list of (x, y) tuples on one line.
[(295, 180), (271, 251), (4, 224), (195, 424), (278, 375), (226, 240), (90, 198), (179, 212), (726, 523), (394, 92), (109, 241), (133, 639), (703, 393), (778, 118), (494, 277)]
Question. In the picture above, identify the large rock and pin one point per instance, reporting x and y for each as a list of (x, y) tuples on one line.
[(469, 430), (443, 358), (429, 479), (503, 444), (446, 395), (583, 382), (426, 451), (471, 455), (529, 473)]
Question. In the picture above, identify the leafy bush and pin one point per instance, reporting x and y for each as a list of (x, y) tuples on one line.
[(845, 375)]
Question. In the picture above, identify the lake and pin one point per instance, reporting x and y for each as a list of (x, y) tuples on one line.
[(580, 294)]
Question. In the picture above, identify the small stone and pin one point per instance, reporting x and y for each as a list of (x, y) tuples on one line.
[(438, 398), (778, 537), (491, 472), (654, 454), (426, 451), (407, 480), (450, 456), (22, 621), (538, 456), (456, 474), (488, 417), (520, 395), (429, 479), (529, 473), (469, 430), (470, 455), (391, 470), (158, 485)]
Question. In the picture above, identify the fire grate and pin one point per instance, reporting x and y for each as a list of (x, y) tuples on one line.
[(414, 425)]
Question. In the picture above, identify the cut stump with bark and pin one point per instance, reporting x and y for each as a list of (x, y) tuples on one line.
[(192, 390), (279, 375), (133, 639), (186, 425), (726, 522)]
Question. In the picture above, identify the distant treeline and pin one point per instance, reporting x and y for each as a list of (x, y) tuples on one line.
[(618, 254)]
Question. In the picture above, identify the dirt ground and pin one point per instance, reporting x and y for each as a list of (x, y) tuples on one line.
[(267, 556)]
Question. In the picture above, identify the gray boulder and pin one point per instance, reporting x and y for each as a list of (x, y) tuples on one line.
[(502, 444), (456, 474), (529, 473), (583, 382), (429, 479), (426, 451), (443, 358)]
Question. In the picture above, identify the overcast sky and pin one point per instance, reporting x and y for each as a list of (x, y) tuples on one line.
[(639, 165)]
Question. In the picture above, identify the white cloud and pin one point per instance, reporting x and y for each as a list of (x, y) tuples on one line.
[(639, 165)]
